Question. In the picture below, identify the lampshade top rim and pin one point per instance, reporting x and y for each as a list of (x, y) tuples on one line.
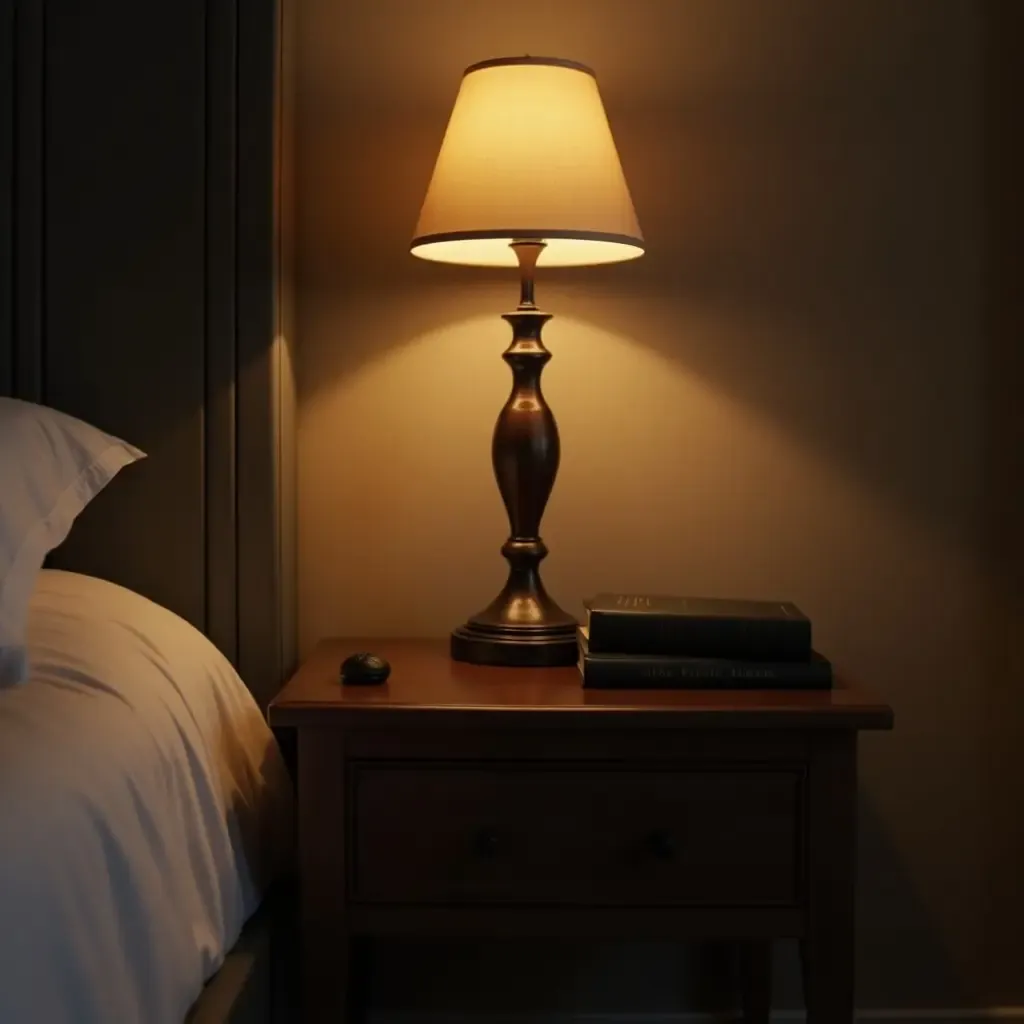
[(553, 62)]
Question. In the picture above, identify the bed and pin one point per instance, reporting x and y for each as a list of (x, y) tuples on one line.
[(145, 810), (144, 287)]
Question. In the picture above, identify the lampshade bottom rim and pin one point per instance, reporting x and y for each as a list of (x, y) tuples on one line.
[(493, 249)]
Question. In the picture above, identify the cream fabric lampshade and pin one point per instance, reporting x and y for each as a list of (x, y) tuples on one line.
[(528, 154)]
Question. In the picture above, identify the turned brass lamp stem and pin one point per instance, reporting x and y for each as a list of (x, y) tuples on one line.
[(523, 625), (528, 253)]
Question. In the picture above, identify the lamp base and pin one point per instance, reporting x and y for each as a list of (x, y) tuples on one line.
[(521, 647)]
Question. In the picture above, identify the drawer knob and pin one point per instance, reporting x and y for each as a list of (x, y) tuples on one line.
[(486, 843), (662, 845)]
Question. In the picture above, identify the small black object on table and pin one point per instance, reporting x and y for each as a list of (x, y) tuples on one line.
[(364, 669)]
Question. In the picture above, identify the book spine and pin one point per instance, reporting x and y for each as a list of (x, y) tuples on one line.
[(623, 673), (739, 639)]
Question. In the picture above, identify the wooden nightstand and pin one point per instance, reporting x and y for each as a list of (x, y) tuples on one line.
[(459, 799)]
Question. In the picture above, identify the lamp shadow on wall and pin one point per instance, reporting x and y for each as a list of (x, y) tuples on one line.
[(848, 397), (900, 941)]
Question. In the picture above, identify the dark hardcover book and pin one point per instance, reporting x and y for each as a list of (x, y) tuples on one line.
[(654, 672), (698, 627)]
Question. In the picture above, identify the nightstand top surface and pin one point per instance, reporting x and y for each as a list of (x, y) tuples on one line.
[(425, 681)]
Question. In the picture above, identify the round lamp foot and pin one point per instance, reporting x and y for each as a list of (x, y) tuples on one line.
[(522, 648)]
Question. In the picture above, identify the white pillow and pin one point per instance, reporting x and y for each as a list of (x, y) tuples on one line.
[(51, 467)]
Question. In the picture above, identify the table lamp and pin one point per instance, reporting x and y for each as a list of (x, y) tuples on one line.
[(527, 176)]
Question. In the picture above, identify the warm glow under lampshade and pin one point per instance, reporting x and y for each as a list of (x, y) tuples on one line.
[(528, 154)]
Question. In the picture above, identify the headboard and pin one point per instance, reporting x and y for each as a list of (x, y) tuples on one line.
[(142, 288)]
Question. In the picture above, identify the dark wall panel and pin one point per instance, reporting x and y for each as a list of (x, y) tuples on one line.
[(221, 323), (259, 369), (124, 281), (28, 307), (6, 196)]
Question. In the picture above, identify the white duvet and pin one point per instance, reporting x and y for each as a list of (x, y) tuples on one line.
[(143, 807)]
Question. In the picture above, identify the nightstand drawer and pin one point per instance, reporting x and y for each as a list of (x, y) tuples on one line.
[(484, 833)]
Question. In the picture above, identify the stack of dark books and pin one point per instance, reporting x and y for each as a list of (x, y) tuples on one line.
[(637, 642)]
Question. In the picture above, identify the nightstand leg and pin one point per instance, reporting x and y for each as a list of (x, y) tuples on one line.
[(827, 949), (338, 987), (828, 980), (325, 981), (357, 996), (326, 946), (756, 981)]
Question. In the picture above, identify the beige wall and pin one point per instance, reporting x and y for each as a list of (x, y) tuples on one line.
[(789, 395)]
